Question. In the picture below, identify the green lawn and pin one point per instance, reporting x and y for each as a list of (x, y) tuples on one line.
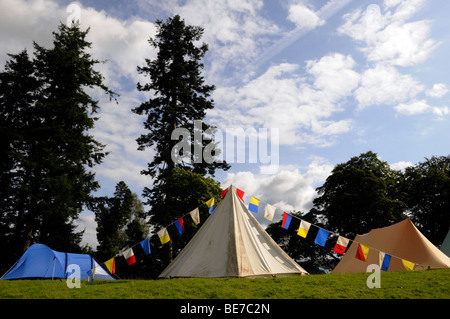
[(431, 284)]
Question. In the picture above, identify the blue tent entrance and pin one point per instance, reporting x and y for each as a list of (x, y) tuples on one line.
[(39, 261)]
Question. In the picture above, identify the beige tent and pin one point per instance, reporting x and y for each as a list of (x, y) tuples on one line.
[(231, 243), (402, 241)]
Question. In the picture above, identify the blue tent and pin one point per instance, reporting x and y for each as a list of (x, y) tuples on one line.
[(39, 261)]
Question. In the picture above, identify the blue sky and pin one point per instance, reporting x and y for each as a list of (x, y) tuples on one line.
[(337, 78)]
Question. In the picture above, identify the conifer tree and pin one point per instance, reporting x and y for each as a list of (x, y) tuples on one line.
[(51, 149), (179, 96)]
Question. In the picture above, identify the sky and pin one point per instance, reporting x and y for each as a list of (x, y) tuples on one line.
[(328, 80)]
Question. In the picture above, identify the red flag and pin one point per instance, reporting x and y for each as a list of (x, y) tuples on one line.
[(341, 245), (238, 192), (224, 192), (129, 256)]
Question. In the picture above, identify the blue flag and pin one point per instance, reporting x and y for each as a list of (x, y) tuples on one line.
[(386, 261), (145, 244), (180, 225), (286, 220), (322, 237)]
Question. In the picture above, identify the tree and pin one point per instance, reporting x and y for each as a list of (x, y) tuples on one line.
[(137, 228), (360, 195), (18, 93), (112, 215), (180, 96), (51, 179), (427, 195)]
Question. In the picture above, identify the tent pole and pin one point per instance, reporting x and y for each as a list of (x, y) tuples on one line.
[(9, 269), (53, 273)]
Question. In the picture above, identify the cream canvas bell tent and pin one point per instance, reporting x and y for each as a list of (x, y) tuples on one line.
[(231, 243), (402, 241)]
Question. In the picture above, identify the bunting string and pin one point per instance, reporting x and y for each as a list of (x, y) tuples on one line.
[(323, 234), (269, 212)]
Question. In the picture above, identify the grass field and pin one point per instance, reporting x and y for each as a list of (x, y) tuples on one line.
[(429, 284)]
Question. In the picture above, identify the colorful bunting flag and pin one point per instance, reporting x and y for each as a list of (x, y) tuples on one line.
[(180, 225), (408, 265), (91, 275), (224, 192), (163, 235), (195, 216), (145, 244), (322, 237), (286, 220), (341, 245), (303, 229), (238, 192), (254, 204), (129, 256), (111, 265), (269, 212), (385, 260), (210, 204), (362, 252)]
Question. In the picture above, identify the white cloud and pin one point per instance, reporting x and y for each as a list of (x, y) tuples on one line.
[(334, 74), (385, 85), (438, 90), (119, 128), (235, 32), (301, 107), (400, 166), (389, 38), (86, 222), (289, 189), (22, 22), (303, 17), (419, 107)]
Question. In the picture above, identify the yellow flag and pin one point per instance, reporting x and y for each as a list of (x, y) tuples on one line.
[(303, 229), (164, 236), (111, 265), (408, 265)]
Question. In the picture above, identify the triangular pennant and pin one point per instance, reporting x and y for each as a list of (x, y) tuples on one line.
[(111, 265), (408, 265)]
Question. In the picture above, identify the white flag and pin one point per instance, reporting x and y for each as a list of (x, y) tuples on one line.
[(269, 212), (195, 216)]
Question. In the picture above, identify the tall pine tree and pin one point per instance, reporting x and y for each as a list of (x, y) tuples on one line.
[(179, 96), (51, 180), (18, 93)]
